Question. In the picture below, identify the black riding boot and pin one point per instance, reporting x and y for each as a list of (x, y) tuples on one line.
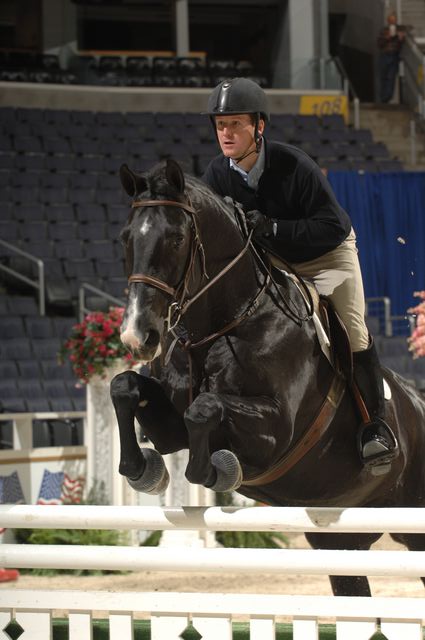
[(377, 443)]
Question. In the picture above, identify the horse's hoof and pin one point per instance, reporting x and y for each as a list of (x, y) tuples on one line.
[(229, 471), (155, 478)]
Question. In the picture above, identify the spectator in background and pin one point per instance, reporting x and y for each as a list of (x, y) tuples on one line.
[(390, 41)]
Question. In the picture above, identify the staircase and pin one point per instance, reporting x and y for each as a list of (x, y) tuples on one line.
[(413, 15), (391, 124)]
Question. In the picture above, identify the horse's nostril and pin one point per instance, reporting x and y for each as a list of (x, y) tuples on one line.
[(152, 338)]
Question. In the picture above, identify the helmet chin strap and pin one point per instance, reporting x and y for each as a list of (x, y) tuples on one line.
[(257, 140), (249, 153), (245, 155)]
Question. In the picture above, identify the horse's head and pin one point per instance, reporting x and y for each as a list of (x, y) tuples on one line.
[(158, 245)]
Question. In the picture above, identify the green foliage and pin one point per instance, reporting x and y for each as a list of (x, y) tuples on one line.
[(85, 537), (152, 540)]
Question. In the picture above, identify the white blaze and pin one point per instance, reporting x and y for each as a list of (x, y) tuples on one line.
[(145, 228), (129, 335)]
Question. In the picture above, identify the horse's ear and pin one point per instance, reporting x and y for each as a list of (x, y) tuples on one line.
[(174, 175), (132, 182)]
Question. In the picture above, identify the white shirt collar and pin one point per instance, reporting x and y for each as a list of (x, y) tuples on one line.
[(253, 176)]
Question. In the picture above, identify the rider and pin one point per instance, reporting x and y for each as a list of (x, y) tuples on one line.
[(291, 207)]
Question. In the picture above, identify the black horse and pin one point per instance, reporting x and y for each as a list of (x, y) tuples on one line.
[(238, 374)]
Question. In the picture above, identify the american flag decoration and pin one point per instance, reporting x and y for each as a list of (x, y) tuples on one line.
[(11, 490), (59, 488)]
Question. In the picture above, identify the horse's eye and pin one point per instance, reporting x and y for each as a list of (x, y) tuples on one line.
[(177, 241)]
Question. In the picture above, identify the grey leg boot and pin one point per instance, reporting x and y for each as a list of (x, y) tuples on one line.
[(377, 443)]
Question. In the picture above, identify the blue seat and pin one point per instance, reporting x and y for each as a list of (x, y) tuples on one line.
[(8, 369), (100, 250), (92, 231), (38, 327), (83, 181), (63, 212), (53, 195), (9, 231), (111, 268), (16, 349), (46, 347), (49, 179), (29, 369), (117, 213), (90, 212), (56, 145), (51, 370), (33, 231), (12, 327), (70, 249), (63, 231), (79, 268), (62, 326), (82, 195), (23, 305), (29, 212)]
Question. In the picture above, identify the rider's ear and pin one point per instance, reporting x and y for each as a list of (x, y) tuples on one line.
[(174, 175), (132, 183)]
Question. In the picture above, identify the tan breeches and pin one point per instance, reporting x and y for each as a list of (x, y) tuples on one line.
[(337, 275)]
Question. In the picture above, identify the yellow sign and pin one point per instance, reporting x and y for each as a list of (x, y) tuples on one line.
[(324, 106), (420, 75)]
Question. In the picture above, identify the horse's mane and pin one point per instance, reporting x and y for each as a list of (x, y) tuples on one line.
[(202, 197)]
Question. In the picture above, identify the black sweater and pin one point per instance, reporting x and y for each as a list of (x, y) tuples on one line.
[(292, 190)]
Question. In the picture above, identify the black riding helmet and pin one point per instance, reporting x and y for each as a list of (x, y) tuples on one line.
[(239, 95)]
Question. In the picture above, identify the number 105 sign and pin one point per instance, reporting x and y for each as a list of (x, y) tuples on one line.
[(324, 105)]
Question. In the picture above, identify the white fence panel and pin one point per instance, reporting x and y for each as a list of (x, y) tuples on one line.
[(121, 626), (211, 614), (358, 630), (402, 630), (305, 629), (36, 626), (5, 618), (80, 625), (168, 626), (262, 628), (213, 627)]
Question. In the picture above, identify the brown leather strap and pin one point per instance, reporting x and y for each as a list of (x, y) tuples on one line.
[(154, 282), (168, 203), (311, 437)]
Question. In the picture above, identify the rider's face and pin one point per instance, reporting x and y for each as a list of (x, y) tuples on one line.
[(236, 134)]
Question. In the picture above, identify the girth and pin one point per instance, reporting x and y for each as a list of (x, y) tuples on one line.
[(316, 430)]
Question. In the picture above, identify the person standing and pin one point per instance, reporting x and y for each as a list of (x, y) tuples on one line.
[(390, 42), (292, 210)]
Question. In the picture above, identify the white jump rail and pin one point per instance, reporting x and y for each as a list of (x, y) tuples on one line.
[(212, 614)]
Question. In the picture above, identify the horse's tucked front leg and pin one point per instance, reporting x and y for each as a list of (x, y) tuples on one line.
[(144, 469), (227, 438), (125, 395), (220, 471)]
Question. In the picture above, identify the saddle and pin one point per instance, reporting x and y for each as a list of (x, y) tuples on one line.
[(331, 332)]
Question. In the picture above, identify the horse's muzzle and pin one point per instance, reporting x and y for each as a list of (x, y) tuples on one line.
[(144, 347)]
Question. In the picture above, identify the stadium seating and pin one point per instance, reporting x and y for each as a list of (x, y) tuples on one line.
[(62, 202)]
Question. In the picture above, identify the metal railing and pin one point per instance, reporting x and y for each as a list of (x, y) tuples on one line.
[(38, 284), (349, 91), (82, 305)]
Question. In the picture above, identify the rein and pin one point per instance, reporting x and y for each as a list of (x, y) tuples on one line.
[(180, 304)]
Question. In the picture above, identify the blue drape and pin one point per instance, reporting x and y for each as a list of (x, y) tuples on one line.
[(388, 214)]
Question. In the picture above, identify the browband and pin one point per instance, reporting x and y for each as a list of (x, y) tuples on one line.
[(156, 203)]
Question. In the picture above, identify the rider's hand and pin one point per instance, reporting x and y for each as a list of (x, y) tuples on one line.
[(261, 225)]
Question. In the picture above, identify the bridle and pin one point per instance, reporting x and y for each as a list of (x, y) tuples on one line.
[(181, 301)]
